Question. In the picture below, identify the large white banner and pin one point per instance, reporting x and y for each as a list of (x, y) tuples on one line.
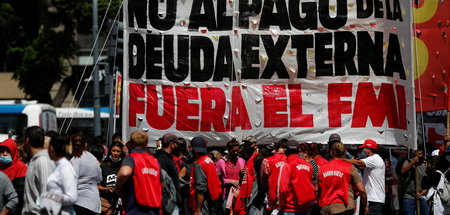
[(295, 69)]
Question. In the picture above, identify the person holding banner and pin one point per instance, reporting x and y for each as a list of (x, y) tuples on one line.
[(413, 181), (373, 177)]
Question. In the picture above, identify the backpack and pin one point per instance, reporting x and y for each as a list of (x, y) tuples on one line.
[(169, 193), (444, 192)]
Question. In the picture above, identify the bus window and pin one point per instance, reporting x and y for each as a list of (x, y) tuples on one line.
[(16, 123), (48, 122)]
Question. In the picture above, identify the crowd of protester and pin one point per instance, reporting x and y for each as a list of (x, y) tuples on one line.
[(49, 173)]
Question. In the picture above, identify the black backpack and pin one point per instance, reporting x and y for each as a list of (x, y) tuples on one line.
[(169, 193)]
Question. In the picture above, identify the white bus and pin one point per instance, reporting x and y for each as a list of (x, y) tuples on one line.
[(14, 118), (81, 121)]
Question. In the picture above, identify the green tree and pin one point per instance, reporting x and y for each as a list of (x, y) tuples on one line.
[(38, 40)]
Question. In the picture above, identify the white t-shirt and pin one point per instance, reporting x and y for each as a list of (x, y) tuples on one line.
[(373, 178)]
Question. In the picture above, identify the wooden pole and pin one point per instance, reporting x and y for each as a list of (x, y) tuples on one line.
[(418, 190)]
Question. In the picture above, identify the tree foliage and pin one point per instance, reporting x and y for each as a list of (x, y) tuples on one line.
[(38, 39)]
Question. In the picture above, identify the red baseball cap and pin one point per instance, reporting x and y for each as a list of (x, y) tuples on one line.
[(369, 144)]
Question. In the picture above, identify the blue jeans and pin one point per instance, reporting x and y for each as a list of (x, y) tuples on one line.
[(409, 207)]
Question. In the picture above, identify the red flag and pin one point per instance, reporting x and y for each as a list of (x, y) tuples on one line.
[(118, 92), (432, 55)]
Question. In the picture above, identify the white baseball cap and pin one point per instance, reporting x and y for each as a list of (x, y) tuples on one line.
[(435, 153)]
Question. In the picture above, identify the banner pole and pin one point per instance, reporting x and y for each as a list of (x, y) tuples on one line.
[(416, 170)]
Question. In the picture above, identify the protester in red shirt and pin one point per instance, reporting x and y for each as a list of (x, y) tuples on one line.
[(205, 187), (248, 178), (338, 181), (295, 186), (139, 178), (270, 169), (316, 155)]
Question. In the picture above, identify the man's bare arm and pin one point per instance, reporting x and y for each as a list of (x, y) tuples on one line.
[(358, 163), (123, 175)]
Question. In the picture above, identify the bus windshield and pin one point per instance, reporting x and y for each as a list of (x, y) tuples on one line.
[(12, 122)]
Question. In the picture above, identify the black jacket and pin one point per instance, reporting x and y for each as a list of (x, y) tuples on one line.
[(166, 163)]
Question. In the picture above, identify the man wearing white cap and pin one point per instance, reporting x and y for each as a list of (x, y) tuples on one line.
[(373, 177), (435, 153)]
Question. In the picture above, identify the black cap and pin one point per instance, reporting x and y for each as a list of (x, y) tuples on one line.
[(269, 146), (334, 138), (199, 145), (169, 138), (280, 144), (292, 146), (182, 144)]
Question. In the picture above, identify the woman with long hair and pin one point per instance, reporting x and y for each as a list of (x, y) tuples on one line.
[(110, 167), (89, 176)]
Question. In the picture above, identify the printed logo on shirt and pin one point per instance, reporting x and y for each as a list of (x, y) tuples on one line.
[(111, 178), (150, 171), (333, 173), (302, 166), (279, 164), (244, 180), (208, 160)]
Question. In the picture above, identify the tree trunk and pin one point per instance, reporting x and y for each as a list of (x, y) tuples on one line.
[(63, 91)]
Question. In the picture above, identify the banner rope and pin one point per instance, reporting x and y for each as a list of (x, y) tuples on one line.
[(84, 70)]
